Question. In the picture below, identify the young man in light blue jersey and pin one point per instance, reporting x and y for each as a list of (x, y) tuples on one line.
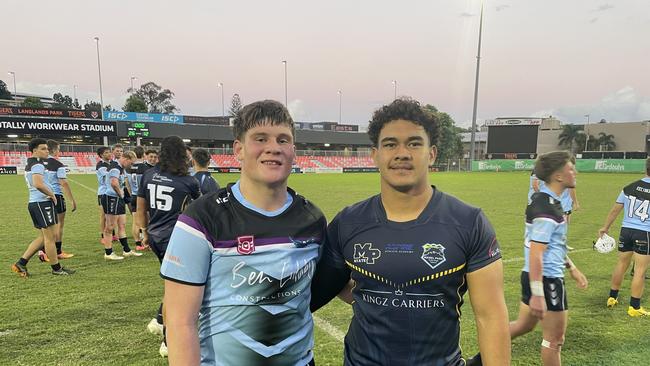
[(101, 170), (634, 240), (542, 278), (114, 207), (240, 260), (42, 202), (57, 179)]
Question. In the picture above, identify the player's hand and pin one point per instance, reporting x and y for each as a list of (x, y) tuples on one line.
[(537, 305), (53, 198), (580, 278), (74, 205), (602, 231)]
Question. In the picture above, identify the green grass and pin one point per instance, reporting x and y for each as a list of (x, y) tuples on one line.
[(99, 315)]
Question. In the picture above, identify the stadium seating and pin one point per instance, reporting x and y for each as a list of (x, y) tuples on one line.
[(89, 160)]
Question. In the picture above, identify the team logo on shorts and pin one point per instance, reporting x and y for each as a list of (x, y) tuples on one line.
[(245, 244), (433, 254)]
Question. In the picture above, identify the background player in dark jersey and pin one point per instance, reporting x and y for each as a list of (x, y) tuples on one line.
[(41, 206), (165, 192), (201, 160), (634, 244), (543, 292), (413, 251), (256, 229), (134, 174)]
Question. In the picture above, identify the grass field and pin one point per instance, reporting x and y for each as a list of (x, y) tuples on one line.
[(99, 315)]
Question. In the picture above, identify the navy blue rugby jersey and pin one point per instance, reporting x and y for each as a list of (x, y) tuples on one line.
[(207, 183), (410, 278), (167, 196)]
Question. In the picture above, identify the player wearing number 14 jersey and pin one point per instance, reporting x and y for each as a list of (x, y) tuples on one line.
[(633, 200)]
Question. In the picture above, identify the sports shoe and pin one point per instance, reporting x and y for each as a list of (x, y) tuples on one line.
[(611, 302), (154, 327), (131, 253), (20, 269), (42, 256), (570, 247), (63, 272), (163, 350), (113, 257), (141, 247), (637, 312), (65, 255)]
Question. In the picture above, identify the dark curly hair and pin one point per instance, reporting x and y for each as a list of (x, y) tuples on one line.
[(35, 142), (551, 162), (261, 112), (408, 110), (173, 158)]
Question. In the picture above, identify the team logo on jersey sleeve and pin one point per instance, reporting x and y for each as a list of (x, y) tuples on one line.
[(245, 244), (433, 254)]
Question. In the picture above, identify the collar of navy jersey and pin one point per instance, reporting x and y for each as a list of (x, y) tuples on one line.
[(380, 211)]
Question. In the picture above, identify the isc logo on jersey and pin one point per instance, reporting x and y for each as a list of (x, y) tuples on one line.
[(365, 253)]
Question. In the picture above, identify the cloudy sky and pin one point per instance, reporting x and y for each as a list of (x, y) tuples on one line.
[(565, 58)]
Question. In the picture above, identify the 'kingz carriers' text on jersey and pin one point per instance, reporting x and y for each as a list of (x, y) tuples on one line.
[(256, 268), (410, 278), (635, 198), (545, 224)]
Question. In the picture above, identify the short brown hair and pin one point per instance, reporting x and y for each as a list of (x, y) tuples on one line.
[(260, 113), (129, 155), (551, 162), (53, 145)]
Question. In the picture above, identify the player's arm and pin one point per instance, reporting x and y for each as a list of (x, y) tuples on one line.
[(115, 184), (537, 303), (39, 183), (346, 294), (486, 294), (574, 198), (142, 214), (182, 304), (68, 192), (611, 216), (576, 274)]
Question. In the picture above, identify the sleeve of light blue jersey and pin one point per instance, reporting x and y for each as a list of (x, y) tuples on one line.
[(542, 229), (621, 198), (188, 255), (114, 173), (60, 173), (38, 169)]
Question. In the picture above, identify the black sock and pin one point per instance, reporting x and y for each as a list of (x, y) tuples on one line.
[(125, 244), (613, 293), (22, 261), (56, 267), (159, 317), (138, 243), (101, 235), (58, 247), (109, 251), (635, 302), (113, 232), (475, 361)]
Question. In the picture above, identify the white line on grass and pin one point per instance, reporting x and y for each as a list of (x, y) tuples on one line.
[(83, 185), (328, 328)]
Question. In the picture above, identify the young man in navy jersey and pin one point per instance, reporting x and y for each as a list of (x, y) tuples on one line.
[(201, 160), (243, 258), (412, 251), (164, 193), (543, 291), (634, 241), (42, 202)]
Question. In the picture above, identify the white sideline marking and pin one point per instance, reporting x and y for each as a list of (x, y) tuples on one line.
[(6, 332), (83, 185), (328, 328)]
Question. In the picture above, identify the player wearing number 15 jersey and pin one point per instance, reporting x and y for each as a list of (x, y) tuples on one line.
[(633, 200), (163, 193)]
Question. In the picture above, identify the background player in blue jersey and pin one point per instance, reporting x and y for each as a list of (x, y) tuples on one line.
[(41, 206), (634, 200), (101, 169), (114, 207), (542, 278), (57, 179), (413, 251), (164, 193), (201, 160), (243, 257)]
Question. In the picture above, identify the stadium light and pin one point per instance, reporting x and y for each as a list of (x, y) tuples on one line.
[(285, 84), (478, 66), (13, 74), (340, 93), (133, 78), (99, 71), (326, 145), (394, 82), (586, 132), (74, 91), (223, 108), (12, 136)]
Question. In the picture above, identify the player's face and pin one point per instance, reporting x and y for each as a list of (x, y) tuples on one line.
[(106, 155), (567, 175), (266, 153), (41, 151), (126, 163), (152, 159), (117, 153), (403, 156)]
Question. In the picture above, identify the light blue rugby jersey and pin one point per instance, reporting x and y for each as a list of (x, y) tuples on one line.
[(635, 198), (55, 170), (102, 175), (35, 166), (546, 224), (115, 170), (256, 267)]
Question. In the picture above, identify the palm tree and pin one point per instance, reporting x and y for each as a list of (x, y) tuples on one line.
[(569, 136), (606, 141)]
